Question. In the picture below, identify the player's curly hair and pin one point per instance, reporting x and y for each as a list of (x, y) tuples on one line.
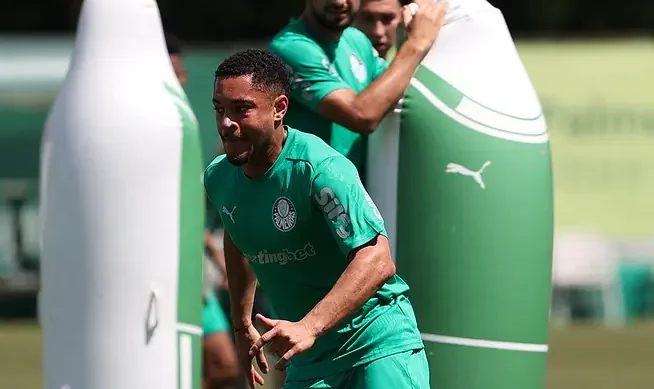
[(267, 69)]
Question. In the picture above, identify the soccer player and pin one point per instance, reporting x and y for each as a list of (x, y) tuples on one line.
[(341, 88), (379, 19), (220, 366), (301, 223)]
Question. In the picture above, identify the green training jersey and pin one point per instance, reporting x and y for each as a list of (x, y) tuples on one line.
[(297, 225), (320, 68)]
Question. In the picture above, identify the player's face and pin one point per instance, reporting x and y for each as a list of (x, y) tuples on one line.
[(178, 67), (246, 118), (334, 15), (379, 19)]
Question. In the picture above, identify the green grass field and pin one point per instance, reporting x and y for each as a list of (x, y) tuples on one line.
[(581, 357)]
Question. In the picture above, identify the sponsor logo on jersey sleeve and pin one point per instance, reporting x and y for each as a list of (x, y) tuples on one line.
[(333, 208), (371, 203)]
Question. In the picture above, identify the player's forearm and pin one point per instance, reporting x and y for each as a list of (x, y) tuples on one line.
[(242, 285), (382, 95), (363, 277)]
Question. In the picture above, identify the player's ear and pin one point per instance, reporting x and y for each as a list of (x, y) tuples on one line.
[(280, 106)]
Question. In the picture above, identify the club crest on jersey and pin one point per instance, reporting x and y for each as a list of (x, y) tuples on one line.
[(283, 214)]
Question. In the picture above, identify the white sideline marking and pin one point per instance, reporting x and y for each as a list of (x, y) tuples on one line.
[(189, 329), (482, 343)]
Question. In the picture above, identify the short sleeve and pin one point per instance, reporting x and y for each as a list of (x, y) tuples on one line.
[(347, 208), (211, 179), (377, 63), (314, 75)]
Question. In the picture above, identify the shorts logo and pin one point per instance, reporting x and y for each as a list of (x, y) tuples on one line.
[(283, 214)]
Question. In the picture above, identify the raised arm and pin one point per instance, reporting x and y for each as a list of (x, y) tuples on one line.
[(323, 92), (363, 112)]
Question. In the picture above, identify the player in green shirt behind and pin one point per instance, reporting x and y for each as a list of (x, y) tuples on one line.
[(341, 88), (298, 220), (379, 20)]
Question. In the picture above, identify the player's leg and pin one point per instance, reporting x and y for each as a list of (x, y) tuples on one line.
[(220, 365), (407, 370)]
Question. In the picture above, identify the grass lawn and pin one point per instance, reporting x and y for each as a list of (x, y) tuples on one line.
[(581, 357)]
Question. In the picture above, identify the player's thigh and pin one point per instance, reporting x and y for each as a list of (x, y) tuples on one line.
[(219, 357), (407, 370)]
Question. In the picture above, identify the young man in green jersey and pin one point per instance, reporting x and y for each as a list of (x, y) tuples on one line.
[(379, 20), (341, 88), (299, 222)]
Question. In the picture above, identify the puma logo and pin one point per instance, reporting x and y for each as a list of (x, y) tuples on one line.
[(455, 168), (229, 213)]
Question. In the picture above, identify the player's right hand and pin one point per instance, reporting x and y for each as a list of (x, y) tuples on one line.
[(423, 27), (245, 339)]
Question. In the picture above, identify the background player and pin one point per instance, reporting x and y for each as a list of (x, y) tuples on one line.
[(306, 227), (220, 367), (379, 19), (341, 88)]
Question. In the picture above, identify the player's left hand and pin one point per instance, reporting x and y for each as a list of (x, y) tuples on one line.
[(285, 339)]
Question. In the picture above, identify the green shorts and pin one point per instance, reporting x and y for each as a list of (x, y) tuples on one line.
[(213, 317), (407, 370)]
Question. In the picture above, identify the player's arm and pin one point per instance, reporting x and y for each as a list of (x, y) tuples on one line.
[(242, 284), (364, 111), (360, 234), (324, 92), (379, 64)]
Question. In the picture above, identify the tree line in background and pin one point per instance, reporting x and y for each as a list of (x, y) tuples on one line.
[(227, 20)]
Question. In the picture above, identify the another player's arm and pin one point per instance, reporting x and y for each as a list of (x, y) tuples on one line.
[(360, 234), (242, 284), (364, 111), (330, 97)]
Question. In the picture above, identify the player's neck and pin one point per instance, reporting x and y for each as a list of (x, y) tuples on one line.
[(257, 167), (318, 30)]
